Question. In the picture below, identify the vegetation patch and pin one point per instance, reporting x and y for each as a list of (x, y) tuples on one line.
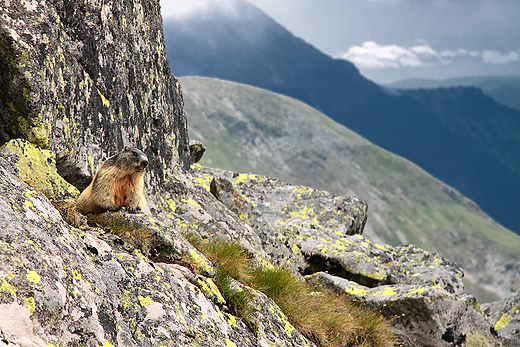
[(115, 223), (323, 316), (69, 212)]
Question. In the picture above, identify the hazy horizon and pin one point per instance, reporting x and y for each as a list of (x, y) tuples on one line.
[(391, 40)]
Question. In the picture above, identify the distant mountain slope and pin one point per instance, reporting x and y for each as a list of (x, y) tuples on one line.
[(459, 135), (246, 129), (504, 89)]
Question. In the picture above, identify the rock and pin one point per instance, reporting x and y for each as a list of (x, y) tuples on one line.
[(282, 214), (300, 227), (85, 287), (38, 168), (197, 150), (505, 316), (85, 80)]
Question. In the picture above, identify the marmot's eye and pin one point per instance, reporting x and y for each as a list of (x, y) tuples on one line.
[(135, 154)]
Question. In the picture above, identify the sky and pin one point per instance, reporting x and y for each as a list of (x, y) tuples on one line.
[(390, 40)]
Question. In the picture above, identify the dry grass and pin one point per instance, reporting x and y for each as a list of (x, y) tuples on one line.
[(231, 263), (69, 212), (114, 223), (324, 317)]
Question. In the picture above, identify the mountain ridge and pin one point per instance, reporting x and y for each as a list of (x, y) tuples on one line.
[(247, 129), (402, 122), (504, 89)]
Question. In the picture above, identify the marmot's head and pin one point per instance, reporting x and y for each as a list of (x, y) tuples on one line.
[(133, 158)]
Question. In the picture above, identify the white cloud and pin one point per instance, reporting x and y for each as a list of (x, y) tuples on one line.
[(495, 57), (179, 7), (459, 53), (375, 56), (371, 55)]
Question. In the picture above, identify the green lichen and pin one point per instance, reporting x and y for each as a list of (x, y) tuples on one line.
[(171, 204), (104, 100), (108, 344), (203, 180), (33, 276), (200, 262), (230, 343), (7, 287), (386, 292), (476, 339), (30, 304), (191, 202), (242, 178), (355, 289), (210, 289)]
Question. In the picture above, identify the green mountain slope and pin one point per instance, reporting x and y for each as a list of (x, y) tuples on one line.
[(246, 129)]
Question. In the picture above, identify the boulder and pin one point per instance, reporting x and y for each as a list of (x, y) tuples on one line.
[(312, 232), (197, 150), (505, 316)]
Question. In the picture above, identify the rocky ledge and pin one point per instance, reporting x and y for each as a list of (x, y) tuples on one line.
[(86, 285)]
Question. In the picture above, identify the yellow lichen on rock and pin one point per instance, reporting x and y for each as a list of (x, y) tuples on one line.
[(503, 321), (37, 168)]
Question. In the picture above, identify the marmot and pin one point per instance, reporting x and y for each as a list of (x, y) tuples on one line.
[(118, 183)]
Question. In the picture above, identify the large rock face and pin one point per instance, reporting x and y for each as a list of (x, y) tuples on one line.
[(84, 79)]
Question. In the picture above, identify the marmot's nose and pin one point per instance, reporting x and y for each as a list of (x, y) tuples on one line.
[(144, 163)]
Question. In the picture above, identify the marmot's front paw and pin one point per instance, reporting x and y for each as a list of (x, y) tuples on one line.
[(133, 210)]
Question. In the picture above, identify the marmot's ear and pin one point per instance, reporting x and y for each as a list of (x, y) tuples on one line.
[(126, 148)]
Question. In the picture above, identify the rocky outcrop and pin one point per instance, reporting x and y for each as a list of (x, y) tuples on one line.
[(83, 287), (319, 234), (85, 79), (505, 315), (86, 286)]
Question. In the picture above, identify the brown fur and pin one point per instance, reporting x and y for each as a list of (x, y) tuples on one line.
[(118, 183)]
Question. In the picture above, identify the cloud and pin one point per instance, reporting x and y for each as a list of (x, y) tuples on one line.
[(495, 57), (179, 7), (375, 56), (371, 55), (459, 53)]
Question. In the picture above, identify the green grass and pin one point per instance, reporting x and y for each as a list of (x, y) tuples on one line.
[(324, 317)]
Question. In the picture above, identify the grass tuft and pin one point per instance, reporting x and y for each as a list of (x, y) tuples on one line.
[(232, 263), (141, 237), (323, 316), (69, 212)]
